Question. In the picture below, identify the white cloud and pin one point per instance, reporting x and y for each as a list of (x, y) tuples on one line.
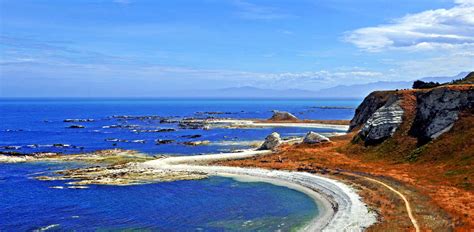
[(451, 28), (465, 2)]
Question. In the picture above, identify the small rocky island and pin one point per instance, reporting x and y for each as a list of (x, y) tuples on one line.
[(282, 116)]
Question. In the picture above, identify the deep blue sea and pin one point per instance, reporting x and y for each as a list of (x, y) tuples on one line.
[(213, 204)]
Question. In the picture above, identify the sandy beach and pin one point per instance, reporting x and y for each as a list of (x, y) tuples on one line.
[(340, 207)]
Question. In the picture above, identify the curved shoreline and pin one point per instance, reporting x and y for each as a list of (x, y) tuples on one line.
[(341, 207)]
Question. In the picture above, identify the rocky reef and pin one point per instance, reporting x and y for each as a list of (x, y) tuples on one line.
[(120, 174), (106, 167), (113, 156)]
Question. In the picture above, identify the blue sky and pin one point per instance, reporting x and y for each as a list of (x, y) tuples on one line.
[(156, 48)]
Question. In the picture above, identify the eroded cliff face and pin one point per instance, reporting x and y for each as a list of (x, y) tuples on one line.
[(438, 110), (380, 114), (364, 111), (383, 122)]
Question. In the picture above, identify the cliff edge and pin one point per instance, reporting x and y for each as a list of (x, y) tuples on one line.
[(408, 124)]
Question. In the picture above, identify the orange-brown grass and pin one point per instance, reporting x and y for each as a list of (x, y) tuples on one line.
[(438, 182)]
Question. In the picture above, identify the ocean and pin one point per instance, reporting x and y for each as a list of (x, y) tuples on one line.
[(213, 204)]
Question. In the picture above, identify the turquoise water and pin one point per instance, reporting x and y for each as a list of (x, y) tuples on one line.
[(213, 204)]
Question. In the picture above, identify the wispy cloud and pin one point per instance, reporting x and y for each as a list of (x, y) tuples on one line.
[(247, 10), (27, 50), (428, 30), (286, 32)]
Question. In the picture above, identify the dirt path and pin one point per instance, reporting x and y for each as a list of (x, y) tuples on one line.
[(407, 203)]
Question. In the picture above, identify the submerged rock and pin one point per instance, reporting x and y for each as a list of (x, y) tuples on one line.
[(114, 140), (78, 187), (163, 141), (192, 124), (78, 120), (13, 130), (191, 136), (137, 117), (313, 138), (282, 116), (272, 141), (61, 145), (155, 130), (132, 126), (197, 143), (212, 112), (168, 120), (76, 126), (11, 147)]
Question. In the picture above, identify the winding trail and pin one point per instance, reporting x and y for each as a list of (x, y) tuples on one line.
[(407, 203), (403, 197)]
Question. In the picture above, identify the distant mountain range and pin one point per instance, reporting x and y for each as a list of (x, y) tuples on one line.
[(253, 92), (340, 91)]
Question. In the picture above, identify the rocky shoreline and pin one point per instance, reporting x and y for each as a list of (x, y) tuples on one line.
[(340, 206)]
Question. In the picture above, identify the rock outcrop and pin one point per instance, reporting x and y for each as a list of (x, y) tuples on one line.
[(282, 116), (383, 123), (313, 138), (272, 141), (438, 109), (435, 112), (364, 111)]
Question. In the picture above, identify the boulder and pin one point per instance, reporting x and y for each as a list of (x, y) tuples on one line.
[(282, 116), (271, 142), (313, 138)]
